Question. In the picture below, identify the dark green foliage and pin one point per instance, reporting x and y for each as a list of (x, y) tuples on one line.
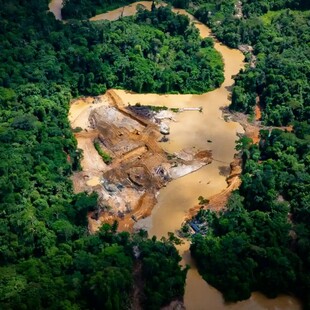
[(154, 52), (160, 265), (195, 66), (281, 76), (182, 4), (85, 9), (48, 260), (105, 157)]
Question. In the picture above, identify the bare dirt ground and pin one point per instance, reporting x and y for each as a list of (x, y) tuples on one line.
[(258, 110), (91, 160), (127, 187)]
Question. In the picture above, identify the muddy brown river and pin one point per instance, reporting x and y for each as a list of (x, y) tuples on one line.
[(193, 129), (55, 7)]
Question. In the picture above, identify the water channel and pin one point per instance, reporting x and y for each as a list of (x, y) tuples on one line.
[(195, 130)]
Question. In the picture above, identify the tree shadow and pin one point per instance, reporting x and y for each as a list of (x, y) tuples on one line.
[(229, 88)]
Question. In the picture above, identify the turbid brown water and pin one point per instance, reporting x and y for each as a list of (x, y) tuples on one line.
[(55, 7), (193, 130)]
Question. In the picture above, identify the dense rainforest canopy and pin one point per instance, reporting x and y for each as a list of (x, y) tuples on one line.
[(153, 52), (85, 9), (278, 32)]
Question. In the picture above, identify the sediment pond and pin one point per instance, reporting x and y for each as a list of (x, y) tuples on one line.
[(193, 129)]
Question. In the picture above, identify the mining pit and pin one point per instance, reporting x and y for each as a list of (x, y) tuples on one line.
[(122, 157)]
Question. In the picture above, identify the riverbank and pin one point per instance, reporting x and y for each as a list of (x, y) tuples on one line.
[(251, 130), (218, 202)]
